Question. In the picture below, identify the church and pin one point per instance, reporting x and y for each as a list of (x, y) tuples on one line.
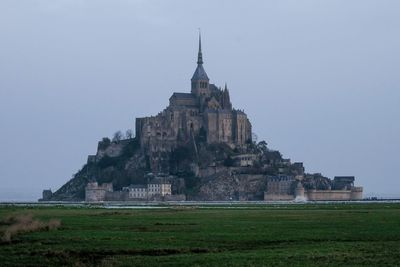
[(198, 148), (206, 111)]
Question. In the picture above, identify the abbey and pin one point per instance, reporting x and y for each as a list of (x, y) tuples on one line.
[(197, 148), (204, 112)]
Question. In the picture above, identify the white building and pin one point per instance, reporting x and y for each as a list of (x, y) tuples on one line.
[(148, 191), (245, 160), (136, 191)]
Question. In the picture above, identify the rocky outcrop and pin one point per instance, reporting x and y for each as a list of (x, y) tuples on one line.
[(210, 172), (226, 185)]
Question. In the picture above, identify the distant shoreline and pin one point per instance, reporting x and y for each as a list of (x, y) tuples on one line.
[(168, 204)]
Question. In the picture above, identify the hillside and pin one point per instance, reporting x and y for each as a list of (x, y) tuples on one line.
[(201, 172)]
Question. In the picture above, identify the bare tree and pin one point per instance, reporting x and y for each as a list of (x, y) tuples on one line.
[(129, 134), (117, 136), (262, 146)]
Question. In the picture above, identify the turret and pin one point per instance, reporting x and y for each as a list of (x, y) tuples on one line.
[(226, 100)]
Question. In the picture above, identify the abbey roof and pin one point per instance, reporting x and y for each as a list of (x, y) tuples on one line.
[(199, 73)]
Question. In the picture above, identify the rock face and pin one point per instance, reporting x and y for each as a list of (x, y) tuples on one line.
[(202, 172), (119, 163), (227, 186)]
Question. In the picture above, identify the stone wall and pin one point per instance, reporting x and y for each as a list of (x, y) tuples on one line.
[(113, 150), (278, 197), (116, 196), (180, 197), (280, 185), (317, 195), (227, 186), (211, 118), (96, 193), (357, 193), (333, 195), (242, 128)]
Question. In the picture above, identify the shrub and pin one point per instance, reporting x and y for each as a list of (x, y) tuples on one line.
[(25, 223)]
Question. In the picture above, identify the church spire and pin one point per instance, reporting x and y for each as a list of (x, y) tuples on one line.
[(200, 55), (200, 81), (226, 99), (200, 74)]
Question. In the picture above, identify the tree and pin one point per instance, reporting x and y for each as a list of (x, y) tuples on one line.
[(129, 134), (103, 144), (262, 146), (117, 136), (229, 161)]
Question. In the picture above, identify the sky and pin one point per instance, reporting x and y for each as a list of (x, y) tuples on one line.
[(319, 80)]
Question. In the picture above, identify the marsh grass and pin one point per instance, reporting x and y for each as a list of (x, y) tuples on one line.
[(273, 235), (25, 223)]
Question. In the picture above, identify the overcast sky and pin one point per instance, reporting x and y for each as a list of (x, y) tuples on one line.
[(319, 80)]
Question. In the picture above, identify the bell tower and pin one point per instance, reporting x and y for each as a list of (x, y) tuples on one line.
[(200, 80)]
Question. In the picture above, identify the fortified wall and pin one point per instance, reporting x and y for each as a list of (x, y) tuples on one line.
[(331, 195), (95, 192), (288, 188)]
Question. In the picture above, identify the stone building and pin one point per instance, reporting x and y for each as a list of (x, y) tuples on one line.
[(161, 189), (245, 160), (343, 182), (149, 191), (205, 111), (136, 191), (354, 193), (95, 192), (152, 191), (279, 188), (46, 195)]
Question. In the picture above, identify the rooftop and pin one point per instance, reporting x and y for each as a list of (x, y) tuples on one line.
[(200, 74), (183, 95)]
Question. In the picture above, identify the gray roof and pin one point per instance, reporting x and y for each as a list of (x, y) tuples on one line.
[(200, 73), (208, 110), (137, 186), (213, 87), (183, 95), (344, 178)]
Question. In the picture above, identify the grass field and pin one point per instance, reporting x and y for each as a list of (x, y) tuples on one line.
[(266, 235)]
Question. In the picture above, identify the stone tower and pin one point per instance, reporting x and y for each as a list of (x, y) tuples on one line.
[(200, 80)]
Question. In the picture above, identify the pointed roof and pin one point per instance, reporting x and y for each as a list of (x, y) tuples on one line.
[(200, 73), (200, 54)]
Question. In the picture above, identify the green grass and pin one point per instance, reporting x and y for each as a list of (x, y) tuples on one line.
[(273, 235)]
